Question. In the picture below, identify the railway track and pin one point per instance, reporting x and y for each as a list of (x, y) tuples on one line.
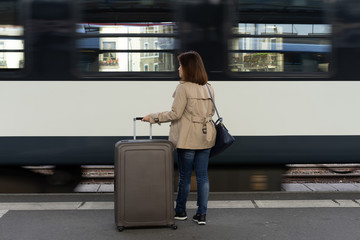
[(322, 173), (296, 173)]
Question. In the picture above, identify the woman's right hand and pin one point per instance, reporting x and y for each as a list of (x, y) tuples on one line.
[(146, 118)]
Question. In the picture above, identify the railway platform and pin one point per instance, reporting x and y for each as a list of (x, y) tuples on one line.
[(295, 215)]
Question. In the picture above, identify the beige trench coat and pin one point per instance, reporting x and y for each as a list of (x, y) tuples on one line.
[(190, 116)]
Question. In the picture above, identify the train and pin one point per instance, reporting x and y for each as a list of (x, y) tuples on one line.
[(74, 73)]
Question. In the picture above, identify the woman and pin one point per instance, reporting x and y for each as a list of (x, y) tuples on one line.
[(192, 132)]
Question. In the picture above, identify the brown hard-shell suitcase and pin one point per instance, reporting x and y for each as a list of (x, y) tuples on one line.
[(143, 191)]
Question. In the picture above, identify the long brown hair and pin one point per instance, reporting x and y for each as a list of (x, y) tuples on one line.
[(193, 68)]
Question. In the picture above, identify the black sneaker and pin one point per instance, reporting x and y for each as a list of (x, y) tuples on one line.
[(200, 219), (180, 216)]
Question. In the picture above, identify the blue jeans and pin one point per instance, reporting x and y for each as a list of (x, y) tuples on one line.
[(186, 159)]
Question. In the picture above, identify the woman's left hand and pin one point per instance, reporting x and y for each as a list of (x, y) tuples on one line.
[(146, 118)]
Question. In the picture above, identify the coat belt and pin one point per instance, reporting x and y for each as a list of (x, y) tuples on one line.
[(201, 120)]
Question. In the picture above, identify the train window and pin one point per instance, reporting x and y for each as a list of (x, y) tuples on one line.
[(127, 47), (280, 48), (282, 37), (11, 39), (126, 37)]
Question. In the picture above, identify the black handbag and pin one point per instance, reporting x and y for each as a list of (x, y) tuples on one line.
[(223, 137)]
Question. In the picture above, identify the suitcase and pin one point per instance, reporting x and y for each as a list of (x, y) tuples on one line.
[(143, 190)]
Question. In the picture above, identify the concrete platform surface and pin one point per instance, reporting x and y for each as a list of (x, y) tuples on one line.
[(270, 216), (288, 187)]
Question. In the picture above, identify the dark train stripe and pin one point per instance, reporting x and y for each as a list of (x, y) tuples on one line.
[(249, 150)]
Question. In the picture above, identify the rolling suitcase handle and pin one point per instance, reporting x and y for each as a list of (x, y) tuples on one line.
[(140, 118)]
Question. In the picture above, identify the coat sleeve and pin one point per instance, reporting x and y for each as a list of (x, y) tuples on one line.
[(177, 109)]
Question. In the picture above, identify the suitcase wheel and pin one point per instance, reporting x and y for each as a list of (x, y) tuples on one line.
[(173, 227), (120, 229)]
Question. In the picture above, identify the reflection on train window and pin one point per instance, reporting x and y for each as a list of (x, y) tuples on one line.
[(133, 62), (127, 47), (11, 47), (287, 48)]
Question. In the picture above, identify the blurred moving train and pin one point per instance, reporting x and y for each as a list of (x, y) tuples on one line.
[(73, 74)]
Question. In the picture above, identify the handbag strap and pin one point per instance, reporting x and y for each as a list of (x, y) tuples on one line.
[(217, 113)]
